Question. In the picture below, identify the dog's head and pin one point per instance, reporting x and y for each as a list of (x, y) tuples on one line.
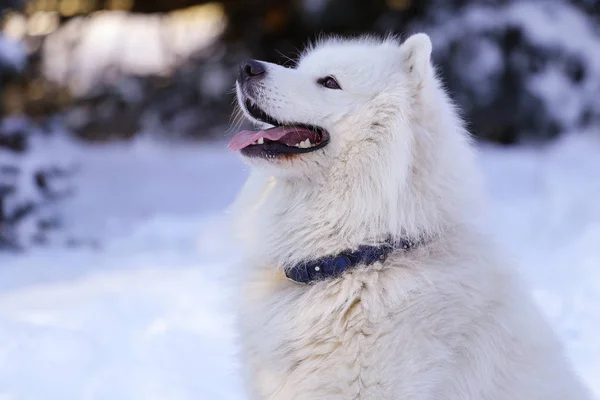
[(362, 140), (342, 98)]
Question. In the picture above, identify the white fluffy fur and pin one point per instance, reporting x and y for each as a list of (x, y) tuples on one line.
[(445, 321)]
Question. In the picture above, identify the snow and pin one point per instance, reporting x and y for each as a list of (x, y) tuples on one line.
[(546, 211), (147, 314), (12, 53)]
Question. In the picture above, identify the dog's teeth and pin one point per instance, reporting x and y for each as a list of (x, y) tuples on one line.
[(298, 144), (261, 141), (255, 142), (308, 143)]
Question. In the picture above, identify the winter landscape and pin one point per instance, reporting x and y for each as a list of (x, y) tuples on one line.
[(147, 315), (131, 296)]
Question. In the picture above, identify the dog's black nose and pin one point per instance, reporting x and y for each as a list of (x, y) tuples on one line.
[(252, 69)]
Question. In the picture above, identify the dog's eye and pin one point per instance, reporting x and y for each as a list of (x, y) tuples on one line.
[(329, 82)]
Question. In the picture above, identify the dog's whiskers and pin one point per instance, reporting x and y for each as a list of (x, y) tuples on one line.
[(236, 120)]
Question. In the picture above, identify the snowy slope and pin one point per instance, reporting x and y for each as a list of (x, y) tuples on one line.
[(147, 315)]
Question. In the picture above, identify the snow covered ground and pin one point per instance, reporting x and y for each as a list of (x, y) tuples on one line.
[(147, 313)]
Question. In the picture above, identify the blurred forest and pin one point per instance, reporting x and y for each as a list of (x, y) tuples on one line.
[(100, 70)]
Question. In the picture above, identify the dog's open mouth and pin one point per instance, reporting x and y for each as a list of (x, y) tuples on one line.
[(280, 140)]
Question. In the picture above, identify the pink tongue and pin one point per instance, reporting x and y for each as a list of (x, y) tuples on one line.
[(293, 135)]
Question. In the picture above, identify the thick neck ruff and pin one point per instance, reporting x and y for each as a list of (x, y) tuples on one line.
[(334, 266)]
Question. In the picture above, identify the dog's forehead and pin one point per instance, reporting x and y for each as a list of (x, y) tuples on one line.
[(335, 57)]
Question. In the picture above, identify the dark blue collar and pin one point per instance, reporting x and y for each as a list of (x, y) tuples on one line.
[(332, 266)]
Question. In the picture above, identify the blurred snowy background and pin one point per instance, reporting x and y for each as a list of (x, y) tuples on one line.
[(115, 264)]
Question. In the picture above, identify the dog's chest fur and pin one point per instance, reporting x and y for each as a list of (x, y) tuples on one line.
[(320, 341), (414, 328)]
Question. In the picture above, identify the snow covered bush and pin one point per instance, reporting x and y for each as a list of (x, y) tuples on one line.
[(519, 69), (191, 103), (33, 178), (12, 57), (129, 73)]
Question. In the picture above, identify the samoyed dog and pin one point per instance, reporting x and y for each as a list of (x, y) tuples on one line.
[(365, 274)]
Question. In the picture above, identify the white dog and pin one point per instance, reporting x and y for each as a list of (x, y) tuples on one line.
[(365, 277)]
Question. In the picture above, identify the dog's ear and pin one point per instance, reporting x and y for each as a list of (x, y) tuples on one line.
[(416, 56)]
